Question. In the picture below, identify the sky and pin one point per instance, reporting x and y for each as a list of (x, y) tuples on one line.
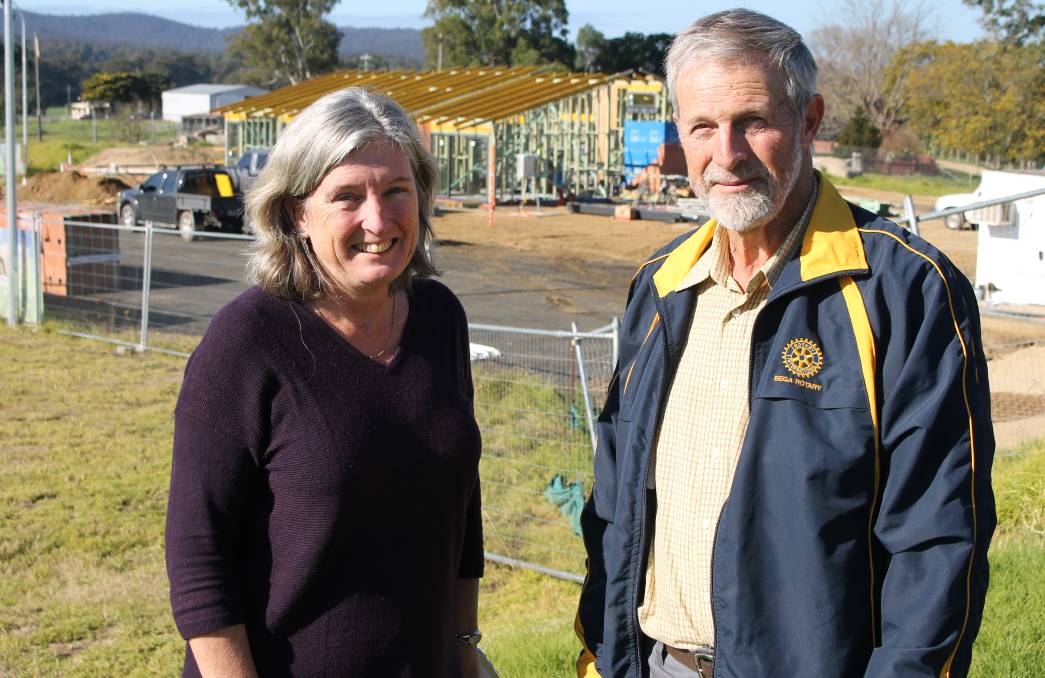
[(951, 20)]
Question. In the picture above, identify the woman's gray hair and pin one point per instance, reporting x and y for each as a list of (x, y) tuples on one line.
[(746, 36), (318, 139)]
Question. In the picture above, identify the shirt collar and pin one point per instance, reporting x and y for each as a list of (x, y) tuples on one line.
[(714, 263)]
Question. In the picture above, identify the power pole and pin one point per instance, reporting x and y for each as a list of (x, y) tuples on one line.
[(9, 166), (25, 107), (39, 113)]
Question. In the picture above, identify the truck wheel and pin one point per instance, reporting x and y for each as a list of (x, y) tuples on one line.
[(187, 225), (955, 222), (127, 215)]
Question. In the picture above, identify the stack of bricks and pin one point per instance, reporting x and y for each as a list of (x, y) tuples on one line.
[(77, 260)]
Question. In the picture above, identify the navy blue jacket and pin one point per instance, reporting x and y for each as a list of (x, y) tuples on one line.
[(854, 538)]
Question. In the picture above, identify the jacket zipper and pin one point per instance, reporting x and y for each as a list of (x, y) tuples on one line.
[(718, 522), (750, 396), (640, 545)]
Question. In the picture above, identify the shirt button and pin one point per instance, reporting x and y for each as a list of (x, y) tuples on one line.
[(736, 313), (715, 452), (723, 384)]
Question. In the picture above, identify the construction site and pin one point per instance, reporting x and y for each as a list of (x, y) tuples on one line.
[(498, 134)]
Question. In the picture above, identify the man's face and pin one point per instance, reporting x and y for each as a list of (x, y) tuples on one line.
[(743, 143)]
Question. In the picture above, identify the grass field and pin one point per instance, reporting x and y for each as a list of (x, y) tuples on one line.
[(915, 185), (86, 448)]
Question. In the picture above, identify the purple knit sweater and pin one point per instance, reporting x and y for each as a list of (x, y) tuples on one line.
[(326, 501)]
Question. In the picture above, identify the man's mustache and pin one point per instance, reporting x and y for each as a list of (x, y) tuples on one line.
[(716, 175)]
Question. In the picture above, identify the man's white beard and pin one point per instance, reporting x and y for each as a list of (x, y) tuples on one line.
[(760, 203)]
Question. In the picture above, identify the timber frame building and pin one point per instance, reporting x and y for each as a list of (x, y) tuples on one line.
[(478, 121)]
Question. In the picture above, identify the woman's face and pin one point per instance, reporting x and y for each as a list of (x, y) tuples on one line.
[(362, 219)]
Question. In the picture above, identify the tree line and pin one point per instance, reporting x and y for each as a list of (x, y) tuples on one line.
[(886, 82)]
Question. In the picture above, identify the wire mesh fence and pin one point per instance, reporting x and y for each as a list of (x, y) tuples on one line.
[(536, 400), (537, 392)]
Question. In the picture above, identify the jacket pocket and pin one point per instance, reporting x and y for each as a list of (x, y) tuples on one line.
[(829, 396)]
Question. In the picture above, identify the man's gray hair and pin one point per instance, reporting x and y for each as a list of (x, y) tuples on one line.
[(318, 139), (749, 37)]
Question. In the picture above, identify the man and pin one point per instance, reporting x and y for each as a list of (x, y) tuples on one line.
[(793, 468)]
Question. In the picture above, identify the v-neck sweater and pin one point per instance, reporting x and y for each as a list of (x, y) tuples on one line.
[(326, 501)]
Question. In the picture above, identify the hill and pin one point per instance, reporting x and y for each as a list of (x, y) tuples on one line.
[(132, 29)]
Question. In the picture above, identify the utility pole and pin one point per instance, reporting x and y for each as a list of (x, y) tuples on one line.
[(39, 113), (9, 166), (25, 108)]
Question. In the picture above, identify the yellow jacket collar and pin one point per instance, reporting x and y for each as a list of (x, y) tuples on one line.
[(831, 243)]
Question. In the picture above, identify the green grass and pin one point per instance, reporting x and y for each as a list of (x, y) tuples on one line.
[(86, 436), (1010, 643), (914, 185)]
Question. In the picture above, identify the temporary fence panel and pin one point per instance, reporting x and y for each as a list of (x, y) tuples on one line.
[(537, 444), (92, 276), (1014, 345), (190, 281)]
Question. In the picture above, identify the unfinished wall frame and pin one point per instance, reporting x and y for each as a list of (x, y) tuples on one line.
[(477, 121)]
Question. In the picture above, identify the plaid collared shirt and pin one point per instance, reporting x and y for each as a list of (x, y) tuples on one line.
[(699, 441)]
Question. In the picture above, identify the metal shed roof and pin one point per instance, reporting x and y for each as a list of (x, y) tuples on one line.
[(213, 88), (464, 97)]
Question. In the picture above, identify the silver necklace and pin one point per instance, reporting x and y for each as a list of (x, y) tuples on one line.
[(391, 329)]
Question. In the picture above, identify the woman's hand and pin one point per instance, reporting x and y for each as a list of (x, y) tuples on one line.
[(469, 660), (224, 653), (466, 618)]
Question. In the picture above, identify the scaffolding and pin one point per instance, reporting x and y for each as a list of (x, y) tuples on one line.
[(477, 121)]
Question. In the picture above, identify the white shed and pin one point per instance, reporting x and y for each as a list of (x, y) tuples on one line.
[(1010, 254), (203, 98)]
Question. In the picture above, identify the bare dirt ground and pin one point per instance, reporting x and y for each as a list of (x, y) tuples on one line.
[(580, 242), (156, 155), (70, 188)]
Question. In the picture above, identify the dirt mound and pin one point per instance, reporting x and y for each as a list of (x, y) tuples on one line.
[(70, 187), (155, 155)]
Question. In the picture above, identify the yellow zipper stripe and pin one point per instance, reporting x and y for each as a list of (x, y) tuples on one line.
[(656, 319), (865, 346)]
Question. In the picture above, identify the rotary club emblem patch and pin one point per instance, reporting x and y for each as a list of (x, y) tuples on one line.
[(803, 358)]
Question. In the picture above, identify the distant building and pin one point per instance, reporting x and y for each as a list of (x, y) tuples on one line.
[(203, 98), (79, 110)]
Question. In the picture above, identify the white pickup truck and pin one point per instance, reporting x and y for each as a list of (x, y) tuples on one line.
[(956, 222)]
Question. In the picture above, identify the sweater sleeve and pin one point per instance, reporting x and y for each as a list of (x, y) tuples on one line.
[(472, 555), (211, 479), (220, 426)]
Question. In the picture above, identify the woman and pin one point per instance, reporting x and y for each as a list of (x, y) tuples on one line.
[(324, 507)]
